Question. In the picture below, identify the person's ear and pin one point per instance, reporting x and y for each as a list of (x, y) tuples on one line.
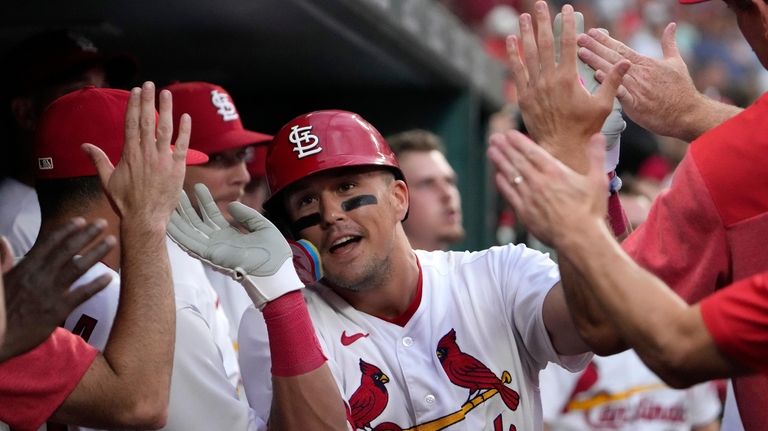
[(23, 110), (400, 198)]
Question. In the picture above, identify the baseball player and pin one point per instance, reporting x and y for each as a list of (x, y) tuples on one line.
[(127, 385), (708, 230), (432, 340), (43, 67), (219, 133), (434, 216), (66, 185)]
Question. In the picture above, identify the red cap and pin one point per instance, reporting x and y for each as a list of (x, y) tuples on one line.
[(90, 115), (216, 125)]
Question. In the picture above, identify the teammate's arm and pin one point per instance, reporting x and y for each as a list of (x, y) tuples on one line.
[(657, 94), (566, 209), (128, 386)]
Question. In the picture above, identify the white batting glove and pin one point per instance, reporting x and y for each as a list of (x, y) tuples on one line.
[(614, 124), (260, 260)]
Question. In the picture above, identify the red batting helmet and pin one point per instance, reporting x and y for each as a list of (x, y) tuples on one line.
[(320, 141)]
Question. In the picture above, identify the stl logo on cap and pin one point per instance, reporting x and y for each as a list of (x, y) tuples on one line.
[(225, 106), (303, 135)]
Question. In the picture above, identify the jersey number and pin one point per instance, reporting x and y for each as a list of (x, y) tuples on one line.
[(85, 326)]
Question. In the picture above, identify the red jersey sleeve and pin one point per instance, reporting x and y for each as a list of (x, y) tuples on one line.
[(683, 241), (35, 384), (737, 319)]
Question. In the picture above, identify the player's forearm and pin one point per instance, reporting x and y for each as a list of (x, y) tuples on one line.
[(705, 114), (654, 321), (141, 343), (310, 398), (594, 326)]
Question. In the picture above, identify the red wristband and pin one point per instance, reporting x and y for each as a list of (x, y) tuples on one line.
[(292, 340), (616, 215)]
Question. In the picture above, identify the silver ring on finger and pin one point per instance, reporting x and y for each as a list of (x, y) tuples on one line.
[(518, 180)]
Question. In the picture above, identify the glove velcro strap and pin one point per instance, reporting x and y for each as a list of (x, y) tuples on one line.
[(264, 289)]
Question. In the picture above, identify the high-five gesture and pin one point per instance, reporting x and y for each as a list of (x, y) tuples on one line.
[(134, 187), (38, 288), (657, 94), (261, 260), (558, 111)]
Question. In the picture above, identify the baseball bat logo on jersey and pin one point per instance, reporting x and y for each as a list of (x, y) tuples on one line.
[(370, 399), (468, 372), (304, 142)]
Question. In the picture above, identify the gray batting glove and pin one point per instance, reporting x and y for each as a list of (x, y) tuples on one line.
[(615, 123), (260, 260)]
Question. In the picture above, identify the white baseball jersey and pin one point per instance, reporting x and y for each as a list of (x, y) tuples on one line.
[(19, 215), (202, 394), (468, 358), (191, 286), (232, 297), (92, 320), (620, 393)]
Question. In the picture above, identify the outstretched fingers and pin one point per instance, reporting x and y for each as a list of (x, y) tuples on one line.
[(147, 118), (73, 243), (530, 50), (79, 265), (249, 217), (568, 39), (164, 122), (209, 209), (187, 211), (669, 41), (104, 166), (610, 85), (181, 145), (187, 237), (85, 292), (516, 66), (546, 40), (54, 241)]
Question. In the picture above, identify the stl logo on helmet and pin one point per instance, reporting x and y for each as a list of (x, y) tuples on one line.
[(224, 106), (305, 143)]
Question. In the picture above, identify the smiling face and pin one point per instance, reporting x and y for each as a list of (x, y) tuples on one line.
[(351, 215), (434, 220)]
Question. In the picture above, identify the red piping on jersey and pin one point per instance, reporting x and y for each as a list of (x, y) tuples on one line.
[(402, 319)]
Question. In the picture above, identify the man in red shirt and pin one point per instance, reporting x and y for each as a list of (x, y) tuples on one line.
[(708, 230)]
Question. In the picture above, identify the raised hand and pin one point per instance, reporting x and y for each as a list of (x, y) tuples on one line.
[(38, 288), (261, 260), (552, 200), (656, 93), (558, 111), (147, 181)]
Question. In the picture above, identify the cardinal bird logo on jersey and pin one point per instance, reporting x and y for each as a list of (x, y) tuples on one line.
[(466, 371), (370, 399)]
